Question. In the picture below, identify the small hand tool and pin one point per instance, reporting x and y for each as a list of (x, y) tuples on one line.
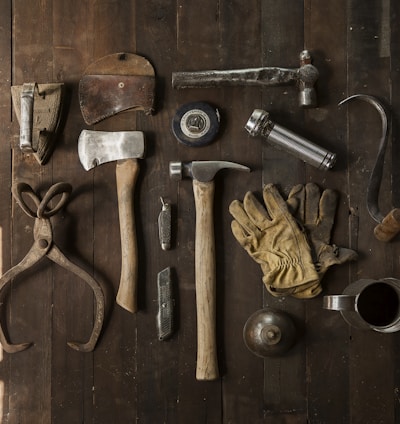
[(305, 77), (286, 140), (165, 225), (388, 226), (125, 147), (38, 108), (165, 315), (44, 246), (196, 124), (202, 174)]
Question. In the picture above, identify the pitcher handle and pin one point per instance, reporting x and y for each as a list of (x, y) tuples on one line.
[(339, 302)]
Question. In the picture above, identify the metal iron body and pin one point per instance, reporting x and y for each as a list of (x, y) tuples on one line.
[(304, 77), (259, 124), (38, 108), (44, 246)]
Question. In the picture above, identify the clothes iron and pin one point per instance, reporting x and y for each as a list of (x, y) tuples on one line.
[(38, 108)]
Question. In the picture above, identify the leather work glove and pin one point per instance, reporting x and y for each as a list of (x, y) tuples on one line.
[(316, 213), (274, 239)]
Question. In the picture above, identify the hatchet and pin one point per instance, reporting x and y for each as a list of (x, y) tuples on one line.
[(125, 147)]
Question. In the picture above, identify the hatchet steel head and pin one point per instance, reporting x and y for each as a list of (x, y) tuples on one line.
[(98, 147)]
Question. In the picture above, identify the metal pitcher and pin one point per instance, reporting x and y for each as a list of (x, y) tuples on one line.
[(369, 304)]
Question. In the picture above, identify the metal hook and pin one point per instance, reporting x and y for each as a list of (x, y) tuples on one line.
[(377, 172)]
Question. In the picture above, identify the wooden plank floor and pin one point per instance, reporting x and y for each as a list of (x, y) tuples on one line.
[(334, 374)]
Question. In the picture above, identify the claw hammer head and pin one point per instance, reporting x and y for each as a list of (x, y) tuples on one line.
[(203, 171)]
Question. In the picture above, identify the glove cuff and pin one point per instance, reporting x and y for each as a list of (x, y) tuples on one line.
[(288, 275)]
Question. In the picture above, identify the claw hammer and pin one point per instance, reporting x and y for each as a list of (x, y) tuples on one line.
[(203, 173)]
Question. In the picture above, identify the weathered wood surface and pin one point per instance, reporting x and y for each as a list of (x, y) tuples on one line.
[(334, 374)]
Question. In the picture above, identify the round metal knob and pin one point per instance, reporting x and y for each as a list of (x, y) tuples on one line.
[(269, 332)]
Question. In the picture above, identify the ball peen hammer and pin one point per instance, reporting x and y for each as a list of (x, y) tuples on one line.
[(304, 77), (202, 174), (125, 147)]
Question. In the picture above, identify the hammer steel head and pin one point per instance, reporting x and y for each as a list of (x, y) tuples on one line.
[(203, 171), (98, 147), (307, 77)]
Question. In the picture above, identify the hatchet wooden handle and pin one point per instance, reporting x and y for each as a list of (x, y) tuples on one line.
[(126, 175), (207, 366)]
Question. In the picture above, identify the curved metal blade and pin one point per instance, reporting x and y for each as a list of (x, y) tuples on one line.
[(377, 172), (98, 147)]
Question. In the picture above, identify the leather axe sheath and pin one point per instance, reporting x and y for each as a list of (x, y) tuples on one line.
[(116, 83)]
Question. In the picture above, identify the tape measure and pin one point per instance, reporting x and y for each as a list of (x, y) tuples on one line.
[(196, 124)]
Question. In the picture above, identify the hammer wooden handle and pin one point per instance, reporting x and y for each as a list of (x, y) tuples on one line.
[(207, 365), (126, 175)]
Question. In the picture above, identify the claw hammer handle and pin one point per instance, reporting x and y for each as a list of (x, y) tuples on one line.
[(126, 175), (207, 366)]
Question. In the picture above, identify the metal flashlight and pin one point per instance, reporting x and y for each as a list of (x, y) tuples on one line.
[(284, 139)]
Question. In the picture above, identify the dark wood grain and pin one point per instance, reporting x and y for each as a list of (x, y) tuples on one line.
[(395, 158), (334, 373), (72, 392), (242, 383), (283, 401), (31, 299), (202, 402), (158, 361), (327, 334), (5, 164), (368, 72)]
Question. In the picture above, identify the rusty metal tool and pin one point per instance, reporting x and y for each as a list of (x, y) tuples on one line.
[(304, 77), (38, 108), (202, 174), (166, 302), (125, 147), (44, 246), (388, 226)]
